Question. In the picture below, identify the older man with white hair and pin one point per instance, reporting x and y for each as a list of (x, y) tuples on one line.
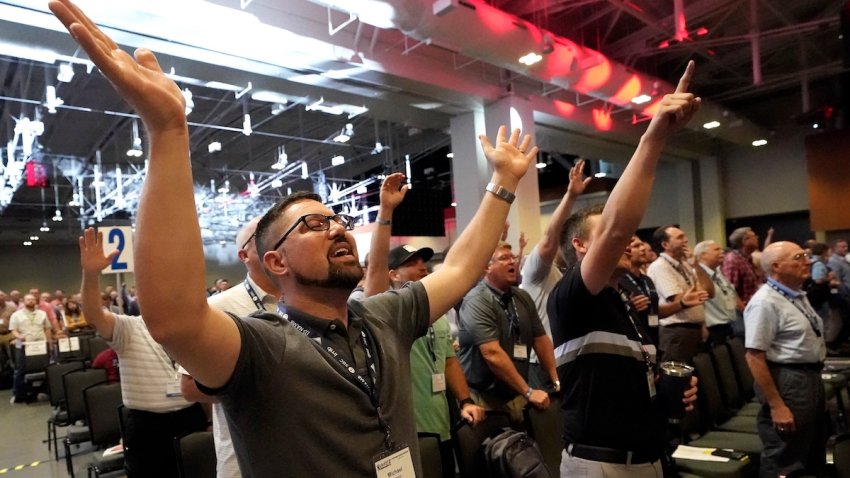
[(721, 311), (785, 352)]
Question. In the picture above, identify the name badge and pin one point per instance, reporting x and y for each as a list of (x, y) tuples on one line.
[(172, 389), (653, 320), (438, 382), (520, 352), (398, 464), (650, 382), (731, 303)]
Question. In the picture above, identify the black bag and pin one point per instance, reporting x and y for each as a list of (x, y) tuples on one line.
[(513, 454)]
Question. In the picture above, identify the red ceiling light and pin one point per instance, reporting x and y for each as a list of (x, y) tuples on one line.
[(701, 31)]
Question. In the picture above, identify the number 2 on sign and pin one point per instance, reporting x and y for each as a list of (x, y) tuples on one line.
[(117, 235)]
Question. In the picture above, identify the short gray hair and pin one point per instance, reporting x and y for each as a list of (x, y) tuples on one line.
[(736, 239), (702, 247)]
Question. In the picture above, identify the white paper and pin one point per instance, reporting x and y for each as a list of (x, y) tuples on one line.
[(696, 453), (38, 347)]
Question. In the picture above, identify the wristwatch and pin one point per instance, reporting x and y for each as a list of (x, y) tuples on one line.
[(501, 192), (528, 393)]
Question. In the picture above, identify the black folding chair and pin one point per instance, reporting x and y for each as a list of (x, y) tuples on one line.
[(102, 401), (75, 382), (196, 455), (56, 392)]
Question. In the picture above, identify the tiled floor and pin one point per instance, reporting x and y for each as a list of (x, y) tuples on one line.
[(24, 429)]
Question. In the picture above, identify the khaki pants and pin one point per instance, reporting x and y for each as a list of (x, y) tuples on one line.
[(513, 407)]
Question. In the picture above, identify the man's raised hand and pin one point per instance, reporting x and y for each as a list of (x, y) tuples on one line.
[(675, 109), (393, 190), (509, 157), (140, 80), (92, 258)]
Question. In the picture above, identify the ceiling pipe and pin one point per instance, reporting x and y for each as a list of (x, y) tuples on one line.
[(478, 30)]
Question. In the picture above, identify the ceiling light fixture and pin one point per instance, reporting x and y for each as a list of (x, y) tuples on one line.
[(66, 73), (450, 155), (44, 227), (51, 101), (246, 125), (135, 150), (641, 99), (337, 160), (711, 125), (190, 104), (345, 134), (530, 59), (759, 142), (281, 158), (214, 147), (305, 173)]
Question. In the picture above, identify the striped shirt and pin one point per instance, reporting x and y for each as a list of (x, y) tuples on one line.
[(146, 370)]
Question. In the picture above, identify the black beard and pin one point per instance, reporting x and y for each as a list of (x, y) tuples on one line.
[(340, 276)]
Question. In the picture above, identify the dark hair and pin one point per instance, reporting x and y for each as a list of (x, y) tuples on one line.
[(264, 225), (659, 236), (819, 248), (576, 226)]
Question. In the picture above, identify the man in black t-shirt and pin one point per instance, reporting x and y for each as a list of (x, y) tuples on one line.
[(606, 360)]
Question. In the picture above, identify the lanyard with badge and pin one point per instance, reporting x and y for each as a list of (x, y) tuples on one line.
[(520, 349), (648, 289), (806, 310), (631, 313), (438, 377), (253, 294), (396, 460), (728, 291), (680, 269)]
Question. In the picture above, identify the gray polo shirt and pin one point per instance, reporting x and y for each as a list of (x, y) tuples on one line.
[(293, 410), (483, 319), (784, 326)]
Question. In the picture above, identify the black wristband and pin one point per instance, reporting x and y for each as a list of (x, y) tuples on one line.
[(466, 401)]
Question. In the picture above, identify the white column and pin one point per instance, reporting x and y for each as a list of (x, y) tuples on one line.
[(470, 171), (516, 112)]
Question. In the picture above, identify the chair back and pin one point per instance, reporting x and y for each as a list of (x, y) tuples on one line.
[(97, 344), (54, 381), (547, 429), (467, 441), (35, 363), (429, 454), (742, 370), (196, 455), (102, 401), (74, 383), (709, 392), (725, 371)]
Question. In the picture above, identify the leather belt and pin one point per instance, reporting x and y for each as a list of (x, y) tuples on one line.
[(609, 455)]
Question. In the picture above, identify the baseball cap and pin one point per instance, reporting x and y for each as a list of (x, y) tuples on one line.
[(404, 252)]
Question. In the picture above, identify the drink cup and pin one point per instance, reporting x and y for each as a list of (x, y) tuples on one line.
[(675, 379)]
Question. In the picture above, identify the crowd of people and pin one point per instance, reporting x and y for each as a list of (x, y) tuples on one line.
[(314, 367)]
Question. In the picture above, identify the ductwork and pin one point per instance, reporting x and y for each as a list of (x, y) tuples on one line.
[(478, 30)]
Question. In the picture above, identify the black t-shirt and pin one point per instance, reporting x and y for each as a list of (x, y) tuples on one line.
[(602, 370)]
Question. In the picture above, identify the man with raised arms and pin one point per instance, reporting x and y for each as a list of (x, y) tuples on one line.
[(325, 389), (613, 422)]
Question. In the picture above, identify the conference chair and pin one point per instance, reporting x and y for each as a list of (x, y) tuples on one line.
[(74, 383), (196, 455), (55, 391)]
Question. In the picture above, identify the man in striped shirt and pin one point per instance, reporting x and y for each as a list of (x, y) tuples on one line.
[(150, 384)]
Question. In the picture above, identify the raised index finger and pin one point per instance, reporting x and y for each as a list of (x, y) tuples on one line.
[(685, 81)]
